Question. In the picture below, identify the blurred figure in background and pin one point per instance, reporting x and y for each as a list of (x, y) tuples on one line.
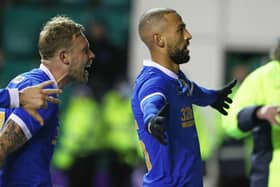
[(124, 152), (256, 111), (212, 136), (82, 135), (232, 153), (98, 145), (109, 63)]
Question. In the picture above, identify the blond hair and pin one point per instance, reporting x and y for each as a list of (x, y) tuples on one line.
[(57, 34)]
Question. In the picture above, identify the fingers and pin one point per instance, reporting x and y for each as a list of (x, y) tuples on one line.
[(161, 139), (226, 106), (159, 119), (51, 91), (277, 119), (232, 84), (46, 83), (160, 136), (52, 99), (35, 115), (228, 100), (156, 129), (276, 116), (222, 111)]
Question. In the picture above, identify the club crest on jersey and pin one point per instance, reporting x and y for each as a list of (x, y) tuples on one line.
[(184, 88), (18, 79)]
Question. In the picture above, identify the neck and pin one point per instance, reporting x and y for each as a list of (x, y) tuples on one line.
[(60, 74), (165, 62)]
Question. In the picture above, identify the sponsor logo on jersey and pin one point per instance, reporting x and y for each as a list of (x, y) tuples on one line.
[(187, 118), (18, 79)]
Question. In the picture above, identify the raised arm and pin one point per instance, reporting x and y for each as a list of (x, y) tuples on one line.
[(35, 97), (11, 138)]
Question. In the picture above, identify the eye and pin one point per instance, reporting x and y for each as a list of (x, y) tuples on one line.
[(181, 29), (86, 50)]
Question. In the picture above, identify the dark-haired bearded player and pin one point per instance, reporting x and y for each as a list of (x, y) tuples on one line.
[(162, 103)]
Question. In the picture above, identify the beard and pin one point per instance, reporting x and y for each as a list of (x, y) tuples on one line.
[(180, 56)]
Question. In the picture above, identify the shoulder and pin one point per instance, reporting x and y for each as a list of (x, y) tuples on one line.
[(29, 78), (152, 77)]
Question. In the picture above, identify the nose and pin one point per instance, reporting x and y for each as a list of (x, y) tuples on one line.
[(91, 55), (187, 35)]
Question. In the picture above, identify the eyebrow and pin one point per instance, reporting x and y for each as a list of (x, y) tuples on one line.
[(182, 25)]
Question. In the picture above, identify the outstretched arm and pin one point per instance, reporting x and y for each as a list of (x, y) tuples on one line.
[(11, 138)]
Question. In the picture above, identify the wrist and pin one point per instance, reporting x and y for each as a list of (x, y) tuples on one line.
[(149, 125), (21, 100), (259, 114), (14, 97)]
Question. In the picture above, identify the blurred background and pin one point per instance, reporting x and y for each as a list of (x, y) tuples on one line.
[(98, 143)]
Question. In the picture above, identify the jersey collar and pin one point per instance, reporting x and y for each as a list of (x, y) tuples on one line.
[(47, 71), (169, 73)]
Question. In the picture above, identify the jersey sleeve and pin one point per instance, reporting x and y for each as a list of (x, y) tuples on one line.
[(152, 96), (202, 96), (9, 98)]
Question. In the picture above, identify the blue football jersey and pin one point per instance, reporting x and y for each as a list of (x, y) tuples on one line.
[(179, 163), (29, 165)]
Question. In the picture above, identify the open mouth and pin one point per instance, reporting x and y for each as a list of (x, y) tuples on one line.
[(186, 48), (87, 69)]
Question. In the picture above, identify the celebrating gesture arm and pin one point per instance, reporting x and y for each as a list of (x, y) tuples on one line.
[(35, 97)]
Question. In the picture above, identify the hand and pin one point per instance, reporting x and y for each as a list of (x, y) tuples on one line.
[(270, 113), (35, 97), (223, 99), (156, 125)]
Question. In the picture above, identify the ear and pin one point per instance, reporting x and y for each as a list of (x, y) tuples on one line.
[(63, 56), (158, 40)]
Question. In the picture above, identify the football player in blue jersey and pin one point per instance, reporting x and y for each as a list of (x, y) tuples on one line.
[(26, 146), (30, 98), (162, 103)]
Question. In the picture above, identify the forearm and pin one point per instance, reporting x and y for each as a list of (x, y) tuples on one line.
[(151, 106), (11, 138), (204, 96), (247, 119)]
